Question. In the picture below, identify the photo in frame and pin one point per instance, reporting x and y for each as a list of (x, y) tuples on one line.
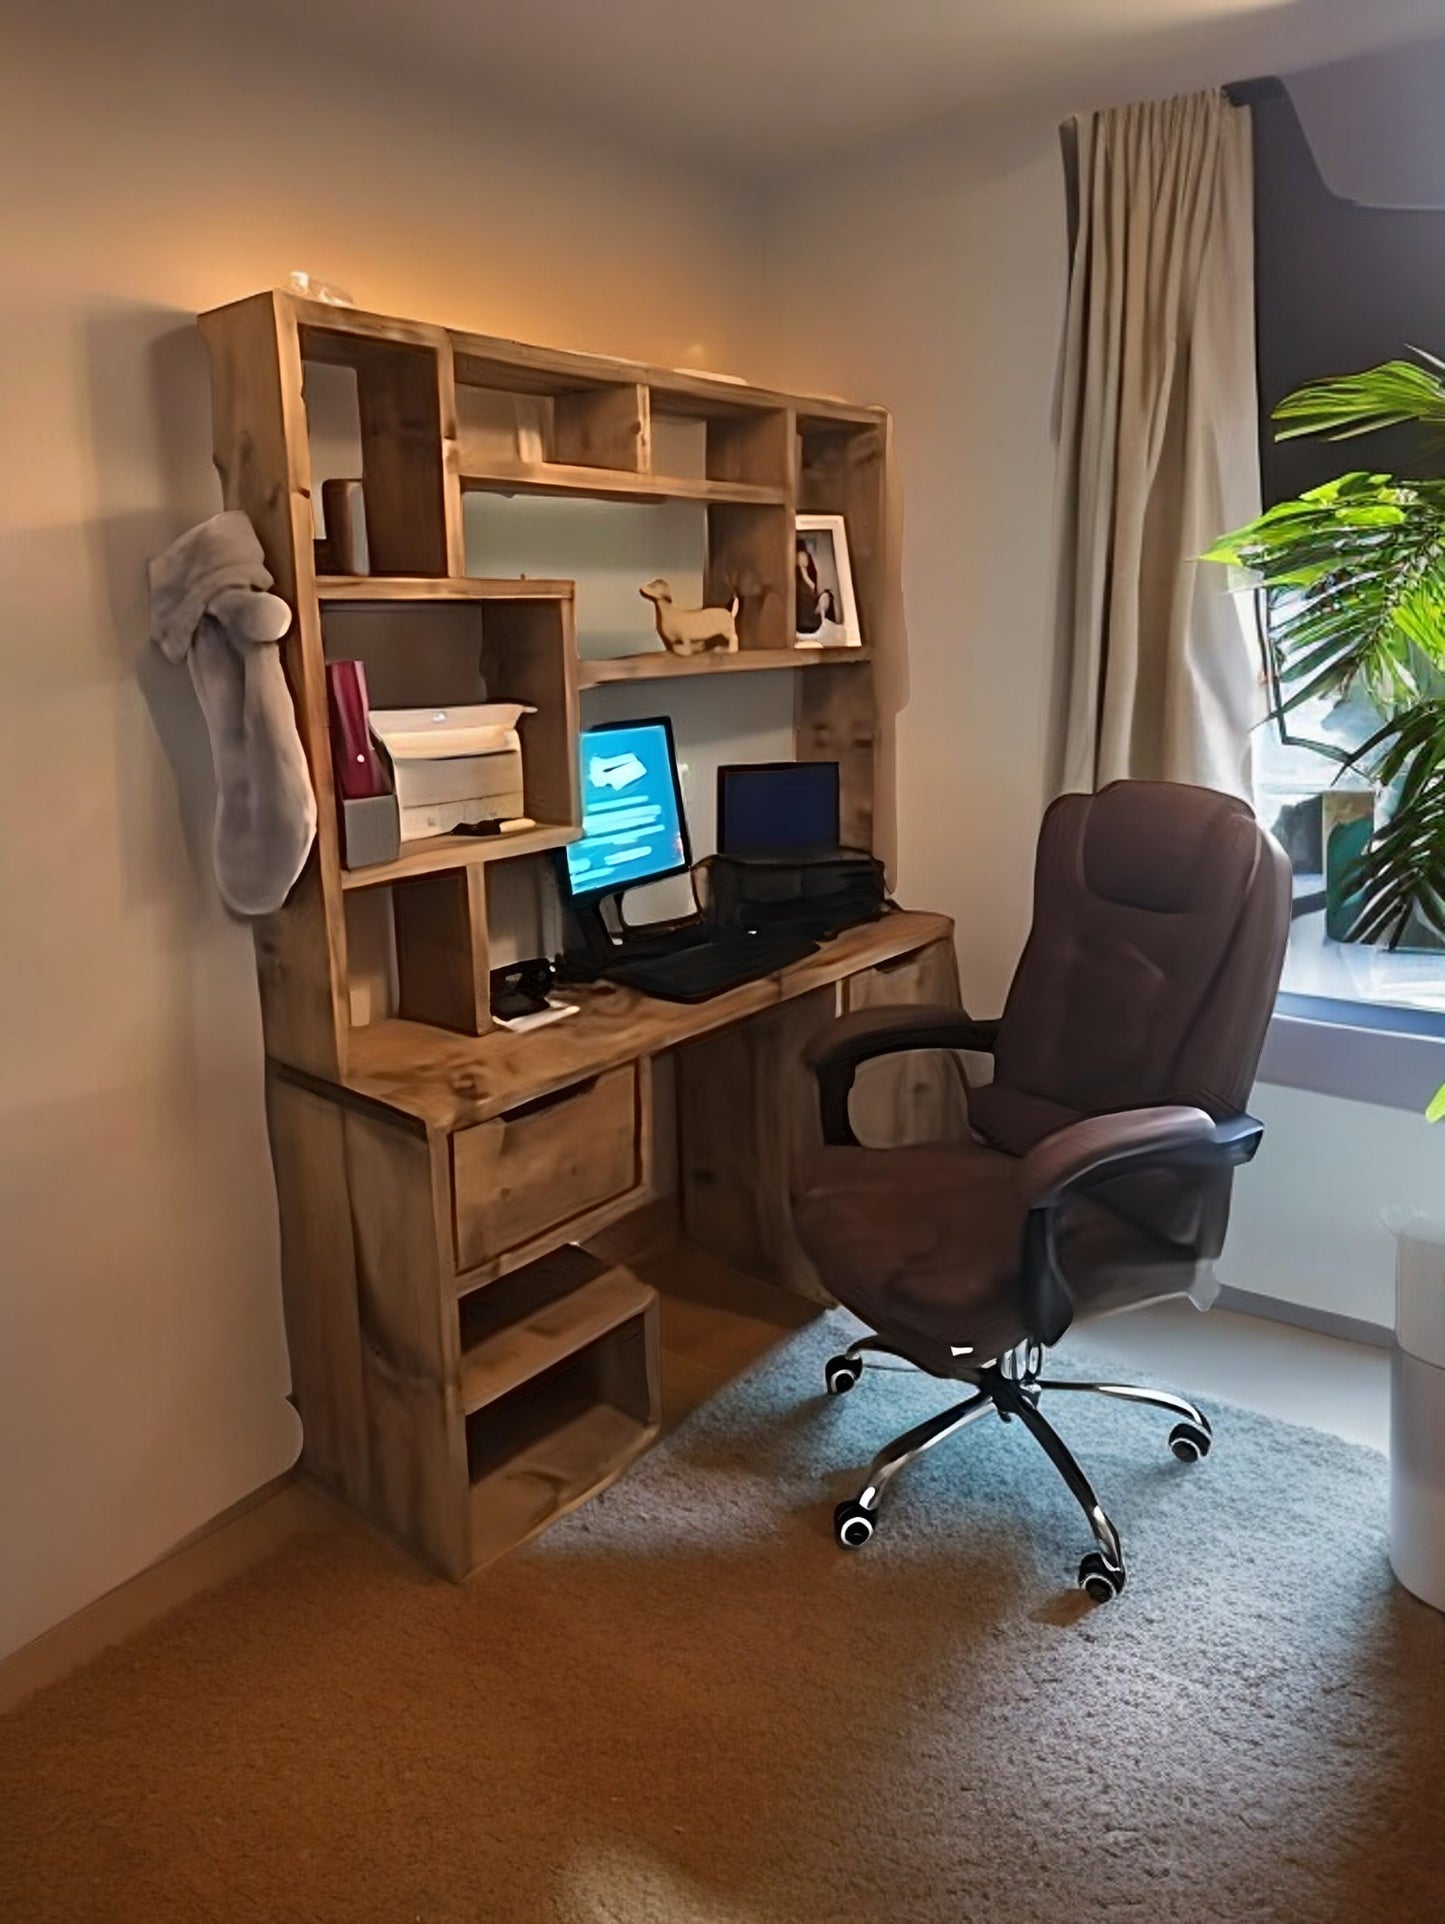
[(827, 609)]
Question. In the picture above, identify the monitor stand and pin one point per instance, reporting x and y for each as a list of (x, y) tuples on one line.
[(603, 946)]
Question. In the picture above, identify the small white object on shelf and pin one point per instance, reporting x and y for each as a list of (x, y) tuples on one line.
[(538, 1018)]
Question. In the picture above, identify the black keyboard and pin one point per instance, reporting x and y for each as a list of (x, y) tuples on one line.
[(728, 958)]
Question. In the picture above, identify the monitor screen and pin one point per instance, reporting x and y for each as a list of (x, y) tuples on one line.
[(776, 808), (633, 826)]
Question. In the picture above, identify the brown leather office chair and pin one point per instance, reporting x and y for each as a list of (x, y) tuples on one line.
[(1099, 1173)]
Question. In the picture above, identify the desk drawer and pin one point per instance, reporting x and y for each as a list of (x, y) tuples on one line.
[(543, 1164)]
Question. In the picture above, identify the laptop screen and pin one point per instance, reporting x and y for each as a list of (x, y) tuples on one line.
[(777, 808)]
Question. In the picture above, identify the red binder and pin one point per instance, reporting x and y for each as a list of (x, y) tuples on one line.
[(360, 771)]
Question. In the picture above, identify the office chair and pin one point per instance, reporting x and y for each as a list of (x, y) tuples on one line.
[(1102, 1155)]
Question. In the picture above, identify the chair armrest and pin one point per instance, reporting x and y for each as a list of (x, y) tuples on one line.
[(1070, 1160), (837, 1054)]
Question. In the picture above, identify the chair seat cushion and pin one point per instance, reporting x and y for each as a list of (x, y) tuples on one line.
[(925, 1243), (922, 1243)]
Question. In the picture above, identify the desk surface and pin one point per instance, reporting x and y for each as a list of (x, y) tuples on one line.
[(445, 1081)]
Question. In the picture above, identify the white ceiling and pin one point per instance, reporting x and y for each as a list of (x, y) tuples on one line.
[(755, 86)]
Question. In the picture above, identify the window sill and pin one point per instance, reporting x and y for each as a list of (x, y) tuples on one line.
[(1360, 1051)]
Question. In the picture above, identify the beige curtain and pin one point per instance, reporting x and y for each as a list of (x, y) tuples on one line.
[(1158, 448)]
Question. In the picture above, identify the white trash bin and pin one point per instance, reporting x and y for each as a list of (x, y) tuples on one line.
[(1417, 1413)]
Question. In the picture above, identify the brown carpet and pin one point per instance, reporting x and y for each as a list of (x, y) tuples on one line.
[(686, 1706)]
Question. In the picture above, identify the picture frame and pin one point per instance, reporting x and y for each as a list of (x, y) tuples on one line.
[(827, 607)]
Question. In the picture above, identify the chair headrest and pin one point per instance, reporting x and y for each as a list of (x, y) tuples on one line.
[(1145, 844)]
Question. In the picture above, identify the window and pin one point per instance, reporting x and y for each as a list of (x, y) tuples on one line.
[(1320, 810)]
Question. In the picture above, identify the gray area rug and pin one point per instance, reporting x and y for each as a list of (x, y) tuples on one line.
[(687, 1706)]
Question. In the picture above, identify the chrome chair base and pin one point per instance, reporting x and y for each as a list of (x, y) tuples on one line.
[(1011, 1388)]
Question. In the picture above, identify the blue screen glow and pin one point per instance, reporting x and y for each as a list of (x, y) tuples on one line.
[(631, 824)]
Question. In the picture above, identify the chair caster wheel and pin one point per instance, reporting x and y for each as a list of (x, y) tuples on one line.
[(840, 1373), (1190, 1443), (852, 1525), (1100, 1580)]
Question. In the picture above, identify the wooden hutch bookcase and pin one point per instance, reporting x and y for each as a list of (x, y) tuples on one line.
[(465, 1370)]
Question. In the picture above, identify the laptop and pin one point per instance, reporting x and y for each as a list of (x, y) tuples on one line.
[(768, 810)]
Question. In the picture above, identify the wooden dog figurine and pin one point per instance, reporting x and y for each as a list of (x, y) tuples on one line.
[(688, 631)]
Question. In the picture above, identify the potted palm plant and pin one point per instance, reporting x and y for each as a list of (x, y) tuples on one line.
[(1354, 576)]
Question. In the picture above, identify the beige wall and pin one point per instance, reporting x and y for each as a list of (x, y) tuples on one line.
[(142, 1364), (932, 278)]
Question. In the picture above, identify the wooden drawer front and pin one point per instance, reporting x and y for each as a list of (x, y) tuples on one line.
[(540, 1166)]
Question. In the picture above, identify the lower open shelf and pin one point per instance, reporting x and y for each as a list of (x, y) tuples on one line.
[(552, 1476), (561, 1385)]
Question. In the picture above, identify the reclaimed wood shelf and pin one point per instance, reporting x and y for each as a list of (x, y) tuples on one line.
[(550, 1335), (438, 853), (659, 665), (445, 1081), (335, 589), (548, 1478), (465, 1367), (561, 1391), (619, 484)]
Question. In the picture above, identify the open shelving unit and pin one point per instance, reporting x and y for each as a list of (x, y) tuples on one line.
[(465, 1370), (765, 455)]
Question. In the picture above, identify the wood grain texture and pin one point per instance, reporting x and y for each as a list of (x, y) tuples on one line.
[(441, 951), (835, 719), (604, 427), (264, 461), (549, 1477), (613, 484), (550, 1335), (453, 520), (433, 854), (446, 1081), (342, 503), (659, 665), (410, 1363), (750, 556), (756, 447), (919, 1096), (844, 471), (534, 1169), (424, 588), (323, 1332), (404, 436), (529, 654), (747, 1109)]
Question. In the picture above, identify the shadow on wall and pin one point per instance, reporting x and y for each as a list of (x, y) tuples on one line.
[(150, 447)]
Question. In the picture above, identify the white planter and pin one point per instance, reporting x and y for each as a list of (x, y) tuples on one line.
[(1417, 1413)]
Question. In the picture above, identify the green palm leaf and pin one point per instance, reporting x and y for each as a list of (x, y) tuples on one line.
[(1381, 397), (1355, 574), (1402, 872), (1356, 571)]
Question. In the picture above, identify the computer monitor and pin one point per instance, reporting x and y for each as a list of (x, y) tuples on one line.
[(777, 808), (634, 828)]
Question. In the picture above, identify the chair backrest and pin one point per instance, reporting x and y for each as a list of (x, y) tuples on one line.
[(1161, 914)]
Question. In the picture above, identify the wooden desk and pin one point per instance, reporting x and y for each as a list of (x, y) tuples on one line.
[(464, 1369)]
